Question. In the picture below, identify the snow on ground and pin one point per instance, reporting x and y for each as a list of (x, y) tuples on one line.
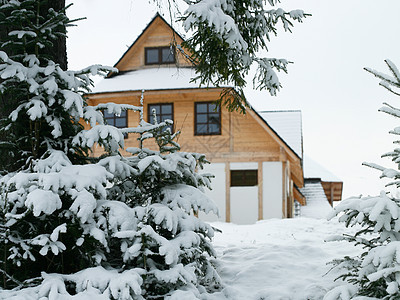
[(279, 259)]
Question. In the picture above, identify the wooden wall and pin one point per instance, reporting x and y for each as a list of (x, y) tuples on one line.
[(242, 137), (158, 34), (333, 191)]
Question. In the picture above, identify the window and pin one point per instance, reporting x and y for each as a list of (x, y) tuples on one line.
[(163, 111), (244, 177), (159, 55), (120, 121), (207, 118)]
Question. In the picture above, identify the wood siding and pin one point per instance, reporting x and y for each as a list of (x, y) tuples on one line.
[(158, 34), (243, 138), (333, 191)]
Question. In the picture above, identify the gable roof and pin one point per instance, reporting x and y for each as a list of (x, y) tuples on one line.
[(156, 17)]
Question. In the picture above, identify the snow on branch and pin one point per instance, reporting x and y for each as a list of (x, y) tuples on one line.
[(116, 109)]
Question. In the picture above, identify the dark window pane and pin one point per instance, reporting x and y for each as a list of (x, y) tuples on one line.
[(236, 177), (202, 118), (152, 56), (244, 178), (251, 177), (213, 118), (167, 56), (166, 109), (213, 108), (213, 128), (123, 114), (120, 122), (201, 107), (108, 115), (201, 129), (110, 122)]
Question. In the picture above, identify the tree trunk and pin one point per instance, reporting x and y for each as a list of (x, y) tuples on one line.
[(59, 50), (57, 53)]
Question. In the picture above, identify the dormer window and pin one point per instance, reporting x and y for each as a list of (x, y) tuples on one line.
[(159, 55)]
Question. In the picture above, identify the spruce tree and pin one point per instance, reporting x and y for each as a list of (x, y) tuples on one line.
[(227, 37), (171, 244), (108, 227), (12, 22), (39, 132), (376, 272)]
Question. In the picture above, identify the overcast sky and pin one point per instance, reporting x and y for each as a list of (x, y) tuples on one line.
[(338, 99)]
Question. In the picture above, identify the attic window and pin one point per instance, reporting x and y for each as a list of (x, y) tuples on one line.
[(159, 55)]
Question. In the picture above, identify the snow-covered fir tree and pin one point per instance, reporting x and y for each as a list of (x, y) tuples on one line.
[(376, 272), (226, 39), (74, 226)]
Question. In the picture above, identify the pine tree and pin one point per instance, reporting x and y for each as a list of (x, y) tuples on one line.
[(171, 244), (227, 37), (40, 134), (108, 227), (376, 272), (16, 48)]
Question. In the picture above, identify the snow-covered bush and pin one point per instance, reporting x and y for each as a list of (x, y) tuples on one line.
[(376, 272), (75, 226)]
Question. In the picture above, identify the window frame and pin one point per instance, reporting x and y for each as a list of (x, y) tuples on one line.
[(244, 182), (160, 60), (150, 116), (208, 122), (114, 118)]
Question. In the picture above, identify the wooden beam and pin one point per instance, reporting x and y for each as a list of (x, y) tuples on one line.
[(230, 133), (299, 197), (283, 190), (277, 138), (227, 192), (289, 195), (260, 191), (332, 194)]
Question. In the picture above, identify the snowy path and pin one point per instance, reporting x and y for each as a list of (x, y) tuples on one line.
[(278, 259)]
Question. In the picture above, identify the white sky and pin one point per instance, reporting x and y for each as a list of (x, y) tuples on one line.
[(339, 100)]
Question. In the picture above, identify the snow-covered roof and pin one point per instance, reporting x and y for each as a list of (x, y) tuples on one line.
[(287, 124), (162, 78), (317, 203), (314, 170)]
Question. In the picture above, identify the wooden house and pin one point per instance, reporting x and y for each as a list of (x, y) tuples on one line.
[(257, 172)]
